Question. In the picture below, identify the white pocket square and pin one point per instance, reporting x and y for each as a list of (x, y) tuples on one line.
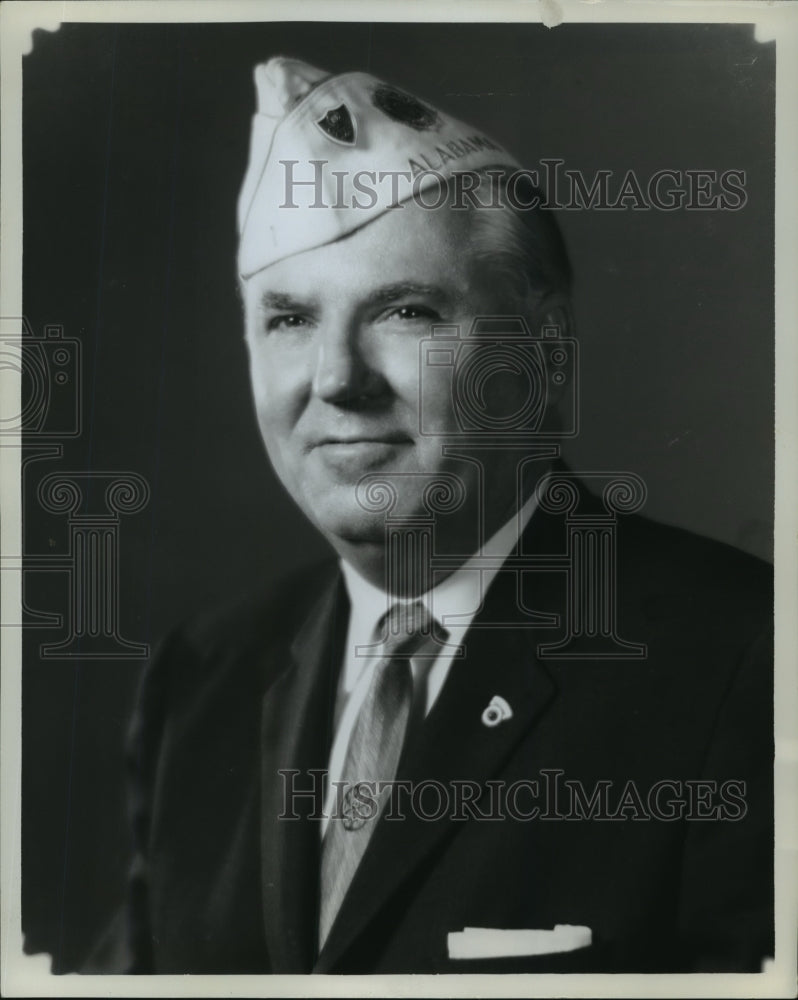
[(489, 942)]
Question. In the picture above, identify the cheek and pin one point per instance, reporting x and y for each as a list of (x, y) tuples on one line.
[(275, 414), (396, 360), (277, 388), (437, 414)]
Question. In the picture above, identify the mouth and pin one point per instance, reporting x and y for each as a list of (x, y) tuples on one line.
[(361, 452), (364, 439)]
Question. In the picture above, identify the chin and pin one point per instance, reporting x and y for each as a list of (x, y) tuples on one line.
[(354, 527)]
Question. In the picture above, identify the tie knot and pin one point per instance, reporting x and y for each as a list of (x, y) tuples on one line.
[(406, 628)]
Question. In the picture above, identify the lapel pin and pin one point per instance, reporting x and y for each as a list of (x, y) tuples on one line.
[(497, 711)]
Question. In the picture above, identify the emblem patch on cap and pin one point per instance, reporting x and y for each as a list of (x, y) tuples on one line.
[(338, 125), (405, 108)]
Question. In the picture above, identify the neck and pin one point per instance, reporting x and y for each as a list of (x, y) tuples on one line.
[(407, 577), (410, 573)]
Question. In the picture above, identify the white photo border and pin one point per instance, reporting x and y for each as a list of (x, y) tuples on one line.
[(24, 975)]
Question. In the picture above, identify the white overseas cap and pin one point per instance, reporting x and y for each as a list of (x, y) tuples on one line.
[(350, 145)]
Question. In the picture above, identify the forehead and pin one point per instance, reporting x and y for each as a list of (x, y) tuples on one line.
[(408, 243)]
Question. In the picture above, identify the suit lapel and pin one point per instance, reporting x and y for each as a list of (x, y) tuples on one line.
[(296, 735), (454, 744)]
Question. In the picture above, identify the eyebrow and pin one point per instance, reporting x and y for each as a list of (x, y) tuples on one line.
[(407, 289), (284, 302)]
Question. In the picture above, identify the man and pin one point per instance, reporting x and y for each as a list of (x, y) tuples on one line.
[(503, 707)]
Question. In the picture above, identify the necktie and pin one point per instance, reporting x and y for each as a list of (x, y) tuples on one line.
[(372, 755)]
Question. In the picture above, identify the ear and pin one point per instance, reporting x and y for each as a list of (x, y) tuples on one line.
[(553, 310)]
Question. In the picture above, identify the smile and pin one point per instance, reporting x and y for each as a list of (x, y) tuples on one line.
[(350, 455), (364, 439)]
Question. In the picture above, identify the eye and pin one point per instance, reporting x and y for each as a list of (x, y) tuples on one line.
[(413, 312), (286, 321)]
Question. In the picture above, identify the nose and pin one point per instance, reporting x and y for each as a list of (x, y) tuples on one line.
[(343, 376)]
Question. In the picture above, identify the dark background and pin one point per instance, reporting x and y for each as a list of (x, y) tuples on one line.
[(135, 142)]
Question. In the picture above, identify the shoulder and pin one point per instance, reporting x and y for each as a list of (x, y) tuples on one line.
[(671, 567), (704, 609), (222, 658), (261, 617)]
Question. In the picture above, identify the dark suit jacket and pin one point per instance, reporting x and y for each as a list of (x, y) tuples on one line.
[(221, 885)]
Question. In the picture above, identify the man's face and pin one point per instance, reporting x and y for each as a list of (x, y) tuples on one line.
[(333, 336)]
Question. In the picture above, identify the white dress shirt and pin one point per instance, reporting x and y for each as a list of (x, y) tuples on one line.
[(454, 602)]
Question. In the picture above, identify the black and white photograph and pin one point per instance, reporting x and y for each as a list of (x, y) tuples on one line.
[(393, 478)]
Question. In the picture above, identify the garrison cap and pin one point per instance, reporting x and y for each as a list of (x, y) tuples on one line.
[(330, 153)]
